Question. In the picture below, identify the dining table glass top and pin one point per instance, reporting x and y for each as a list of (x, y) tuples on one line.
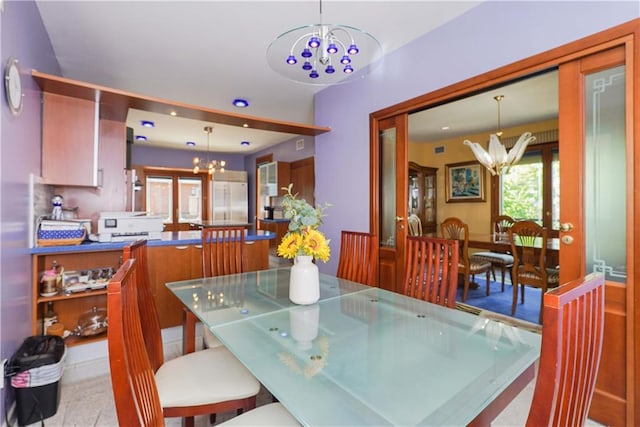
[(361, 355)]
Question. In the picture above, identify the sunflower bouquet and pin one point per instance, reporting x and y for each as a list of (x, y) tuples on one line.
[(303, 237)]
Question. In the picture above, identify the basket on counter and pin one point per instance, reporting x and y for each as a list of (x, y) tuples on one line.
[(61, 237)]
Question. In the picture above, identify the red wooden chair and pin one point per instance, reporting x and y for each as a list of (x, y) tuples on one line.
[(358, 257), (136, 395), (431, 270), (222, 251), (184, 387), (572, 335)]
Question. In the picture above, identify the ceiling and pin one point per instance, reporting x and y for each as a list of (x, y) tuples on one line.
[(208, 53)]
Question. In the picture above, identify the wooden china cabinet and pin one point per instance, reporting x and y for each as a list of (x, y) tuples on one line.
[(422, 195)]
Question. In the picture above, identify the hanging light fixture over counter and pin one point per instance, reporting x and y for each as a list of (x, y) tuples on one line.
[(210, 165), (323, 54), (497, 160)]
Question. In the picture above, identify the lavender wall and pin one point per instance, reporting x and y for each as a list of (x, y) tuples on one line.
[(166, 157), (491, 35), (23, 37)]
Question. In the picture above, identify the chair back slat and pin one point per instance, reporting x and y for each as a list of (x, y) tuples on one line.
[(431, 270), (136, 396), (222, 251), (149, 317), (572, 335), (358, 257), (455, 229)]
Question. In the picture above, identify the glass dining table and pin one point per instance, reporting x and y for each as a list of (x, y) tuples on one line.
[(364, 355)]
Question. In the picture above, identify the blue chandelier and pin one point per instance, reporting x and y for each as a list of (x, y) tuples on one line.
[(323, 53)]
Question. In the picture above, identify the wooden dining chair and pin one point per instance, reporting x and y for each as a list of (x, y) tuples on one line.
[(203, 382), (222, 251), (455, 229), (572, 336), (222, 254), (358, 257), (502, 260), (529, 247), (415, 225), (431, 270), (135, 392)]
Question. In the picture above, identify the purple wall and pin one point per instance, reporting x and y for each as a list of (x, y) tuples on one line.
[(23, 37), (491, 35), (166, 157)]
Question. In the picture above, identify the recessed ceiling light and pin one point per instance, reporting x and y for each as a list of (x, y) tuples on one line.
[(147, 123), (245, 143), (141, 138), (445, 128), (190, 144), (173, 113), (240, 103), (245, 125)]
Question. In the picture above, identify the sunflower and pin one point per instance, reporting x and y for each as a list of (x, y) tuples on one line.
[(316, 245), (303, 238), (290, 245)]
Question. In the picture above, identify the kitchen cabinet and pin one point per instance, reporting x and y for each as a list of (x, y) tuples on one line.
[(271, 177), (70, 307), (167, 263), (185, 263), (70, 134), (422, 195), (279, 227)]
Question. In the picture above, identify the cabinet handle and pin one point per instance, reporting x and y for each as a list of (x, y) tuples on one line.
[(249, 243), (181, 248), (198, 246)]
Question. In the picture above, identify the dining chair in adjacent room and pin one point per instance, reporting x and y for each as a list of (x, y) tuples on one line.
[(572, 337), (499, 259), (529, 248), (199, 383), (455, 229), (431, 270), (136, 394), (358, 257), (415, 225)]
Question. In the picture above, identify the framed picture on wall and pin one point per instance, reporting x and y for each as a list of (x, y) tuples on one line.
[(464, 182)]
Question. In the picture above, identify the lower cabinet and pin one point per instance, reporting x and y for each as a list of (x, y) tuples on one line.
[(71, 308), (280, 228), (166, 264), (175, 263)]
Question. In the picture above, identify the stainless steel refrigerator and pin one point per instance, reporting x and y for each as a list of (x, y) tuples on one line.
[(230, 201)]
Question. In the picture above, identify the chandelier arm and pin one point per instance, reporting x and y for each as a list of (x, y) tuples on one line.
[(293, 46), (344, 30)]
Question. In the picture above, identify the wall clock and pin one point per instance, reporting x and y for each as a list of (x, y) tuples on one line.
[(13, 86)]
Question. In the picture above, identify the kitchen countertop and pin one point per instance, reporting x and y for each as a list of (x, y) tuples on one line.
[(168, 238), (221, 223), (274, 220)]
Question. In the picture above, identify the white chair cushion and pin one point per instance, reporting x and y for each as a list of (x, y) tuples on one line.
[(272, 414), (210, 340), (207, 376)]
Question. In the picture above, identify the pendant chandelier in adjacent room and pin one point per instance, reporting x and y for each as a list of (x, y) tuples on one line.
[(210, 165), (496, 160)]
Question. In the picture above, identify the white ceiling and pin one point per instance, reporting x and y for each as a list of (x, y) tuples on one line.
[(208, 53)]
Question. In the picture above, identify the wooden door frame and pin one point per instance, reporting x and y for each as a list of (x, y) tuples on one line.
[(628, 35)]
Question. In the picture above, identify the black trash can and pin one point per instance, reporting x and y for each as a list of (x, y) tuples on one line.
[(35, 370)]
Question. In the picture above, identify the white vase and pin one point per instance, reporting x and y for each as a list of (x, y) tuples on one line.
[(303, 323), (304, 283)]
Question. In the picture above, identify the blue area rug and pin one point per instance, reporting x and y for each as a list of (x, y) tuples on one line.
[(500, 302)]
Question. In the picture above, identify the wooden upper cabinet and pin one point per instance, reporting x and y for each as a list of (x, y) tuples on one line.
[(70, 133)]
